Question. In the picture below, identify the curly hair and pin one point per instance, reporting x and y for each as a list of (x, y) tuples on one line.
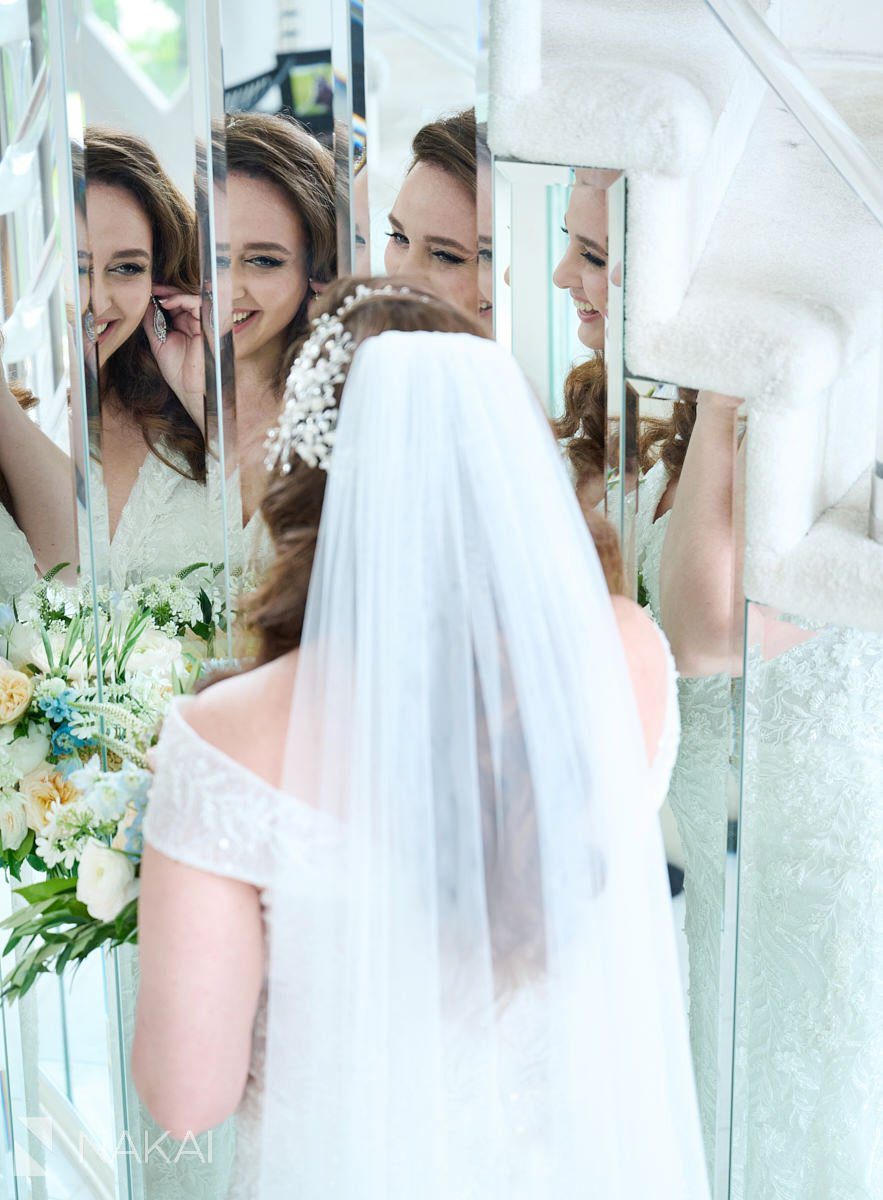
[(116, 159), (592, 447)]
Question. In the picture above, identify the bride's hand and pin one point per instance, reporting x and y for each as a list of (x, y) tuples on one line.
[(181, 357)]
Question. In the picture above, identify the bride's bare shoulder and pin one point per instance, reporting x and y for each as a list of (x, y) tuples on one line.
[(246, 715)]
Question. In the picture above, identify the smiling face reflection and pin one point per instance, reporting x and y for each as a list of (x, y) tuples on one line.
[(433, 238), (268, 267), (583, 269), (119, 260)]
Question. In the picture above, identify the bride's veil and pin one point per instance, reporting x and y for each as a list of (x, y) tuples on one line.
[(473, 985)]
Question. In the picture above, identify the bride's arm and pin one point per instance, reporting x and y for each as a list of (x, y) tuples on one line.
[(202, 962), (648, 669), (38, 474)]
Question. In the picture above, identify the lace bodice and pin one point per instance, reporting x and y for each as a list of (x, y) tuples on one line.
[(170, 522), (17, 570)]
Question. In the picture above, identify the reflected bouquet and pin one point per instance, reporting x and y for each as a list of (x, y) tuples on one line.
[(84, 687)]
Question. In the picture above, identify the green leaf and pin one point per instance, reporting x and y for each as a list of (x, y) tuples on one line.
[(26, 847), (50, 575), (193, 567), (47, 887), (205, 607), (47, 646)]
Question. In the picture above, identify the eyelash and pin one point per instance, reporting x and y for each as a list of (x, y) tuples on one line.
[(593, 259), (265, 262), (126, 270), (450, 260)]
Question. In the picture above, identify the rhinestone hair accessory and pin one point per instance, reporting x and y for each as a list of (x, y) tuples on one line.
[(308, 423)]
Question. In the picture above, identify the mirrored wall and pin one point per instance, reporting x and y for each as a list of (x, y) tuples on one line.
[(178, 182)]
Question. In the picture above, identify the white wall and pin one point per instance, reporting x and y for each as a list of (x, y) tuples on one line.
[(842, 26)]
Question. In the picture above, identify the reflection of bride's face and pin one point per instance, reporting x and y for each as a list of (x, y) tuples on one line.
[(583, 269), (485, 218), (362, 262), (121, 246), (433, 236), (269, 273)]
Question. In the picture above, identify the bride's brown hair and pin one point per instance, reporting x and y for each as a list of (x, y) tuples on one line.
[(292, 505), (116, 159)]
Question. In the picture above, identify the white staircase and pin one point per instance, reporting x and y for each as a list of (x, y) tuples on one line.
[(751, 267)]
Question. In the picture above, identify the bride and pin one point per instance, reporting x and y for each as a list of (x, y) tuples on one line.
[(404, 906)]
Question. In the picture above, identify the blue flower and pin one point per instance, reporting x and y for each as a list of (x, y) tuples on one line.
[(66, 743), (58, 708)]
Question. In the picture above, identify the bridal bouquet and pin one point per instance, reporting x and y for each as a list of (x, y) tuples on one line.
[(74, 743)]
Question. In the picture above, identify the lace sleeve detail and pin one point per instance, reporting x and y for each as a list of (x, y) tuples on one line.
[(207, 811)]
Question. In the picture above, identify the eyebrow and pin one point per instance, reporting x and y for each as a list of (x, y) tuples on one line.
[(430, 237), (602, 250), (134, 252), (267, 246)]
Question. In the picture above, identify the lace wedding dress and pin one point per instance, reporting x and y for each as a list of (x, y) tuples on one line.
[(17, 570), (203, 812), (705, 773), (809, 1011), (169, 522)]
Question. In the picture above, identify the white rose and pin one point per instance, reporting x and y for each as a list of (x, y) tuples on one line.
[(25, 753), (13, 821), (105, 881), (156, 653), (76, 672)]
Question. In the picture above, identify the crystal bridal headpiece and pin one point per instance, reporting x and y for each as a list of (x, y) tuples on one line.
[(308, 423)]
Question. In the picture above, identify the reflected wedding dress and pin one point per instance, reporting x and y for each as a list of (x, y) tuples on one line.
[(809, 1012), (170, 522), (17, 570), (202, 813)]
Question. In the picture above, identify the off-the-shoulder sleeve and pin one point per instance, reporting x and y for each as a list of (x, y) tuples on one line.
[(208, 812)]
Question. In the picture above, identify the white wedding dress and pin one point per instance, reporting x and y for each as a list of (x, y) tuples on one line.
[(208, 811), (170, 521), (808, 1090), (17, 570)]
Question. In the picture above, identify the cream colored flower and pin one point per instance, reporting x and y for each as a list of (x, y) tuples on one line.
[(16, 690), (156, 654), (13, 822), (25, 753), (40, 790), (105, 881)]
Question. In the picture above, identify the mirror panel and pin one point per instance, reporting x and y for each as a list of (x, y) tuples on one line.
[(637, 450), (768, 812)]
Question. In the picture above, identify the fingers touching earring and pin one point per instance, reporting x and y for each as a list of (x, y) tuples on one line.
[(160, 327)]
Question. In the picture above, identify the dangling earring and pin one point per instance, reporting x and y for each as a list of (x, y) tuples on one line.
[(160, 327), (89, 325)]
